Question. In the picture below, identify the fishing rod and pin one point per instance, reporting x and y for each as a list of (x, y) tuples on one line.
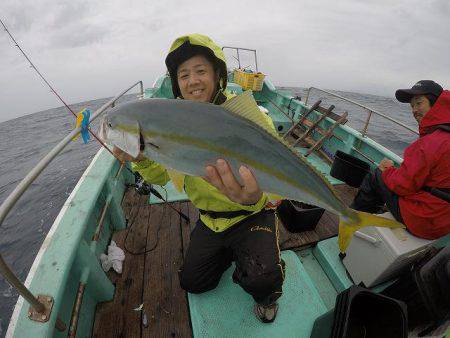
[(152, 190), (50, 86)]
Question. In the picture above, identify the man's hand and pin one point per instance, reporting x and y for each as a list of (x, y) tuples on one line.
[(223, 179), (385, 163), (123, 156)]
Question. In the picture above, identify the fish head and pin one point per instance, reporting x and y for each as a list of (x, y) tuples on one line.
[(121, 131)]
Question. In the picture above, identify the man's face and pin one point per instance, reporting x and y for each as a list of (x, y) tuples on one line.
[(197, 79), (420, 106)]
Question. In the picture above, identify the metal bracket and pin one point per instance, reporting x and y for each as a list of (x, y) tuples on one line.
[(42, 317)]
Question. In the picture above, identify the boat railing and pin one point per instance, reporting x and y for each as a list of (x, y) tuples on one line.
[(369, 110), (238, 58), (40, 305)]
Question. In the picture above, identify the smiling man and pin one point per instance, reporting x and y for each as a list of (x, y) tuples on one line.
[(197, 79), (234, 224)]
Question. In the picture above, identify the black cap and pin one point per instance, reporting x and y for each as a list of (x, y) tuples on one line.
[(422, 87)]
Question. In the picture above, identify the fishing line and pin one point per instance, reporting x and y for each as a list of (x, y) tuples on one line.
[(143, 188), (67, 106), (146, 251), (50, 86)]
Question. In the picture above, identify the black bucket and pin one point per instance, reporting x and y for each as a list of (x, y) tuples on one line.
[(349, 169), (298, 216), (425, 289), (360, 312)]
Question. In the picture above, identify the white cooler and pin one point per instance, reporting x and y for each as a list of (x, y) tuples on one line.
[(377, 254)]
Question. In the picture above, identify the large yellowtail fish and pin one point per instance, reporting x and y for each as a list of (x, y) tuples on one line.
[(186, 136)]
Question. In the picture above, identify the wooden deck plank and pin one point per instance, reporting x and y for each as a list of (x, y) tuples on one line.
[(129, 200), (117, 317), (327, 227), (346, 192), (165, 302), (152, 278)]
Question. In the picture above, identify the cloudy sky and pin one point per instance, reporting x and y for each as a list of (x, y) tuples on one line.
[(94, 49)]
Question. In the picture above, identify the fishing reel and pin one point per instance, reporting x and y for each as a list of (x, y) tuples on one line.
[(141, 187)]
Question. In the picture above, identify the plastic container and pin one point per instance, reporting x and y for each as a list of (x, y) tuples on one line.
[(298, 216), (362, 313), (349, 169), (377, 254), (252, 81), (433, 280), (426, 289)]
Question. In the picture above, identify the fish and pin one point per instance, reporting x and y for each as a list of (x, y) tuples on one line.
[(186, 136)]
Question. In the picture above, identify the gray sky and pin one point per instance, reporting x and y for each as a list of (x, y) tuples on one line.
[(94, 49)]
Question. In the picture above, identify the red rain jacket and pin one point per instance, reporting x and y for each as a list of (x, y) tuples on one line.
[(426, 162)]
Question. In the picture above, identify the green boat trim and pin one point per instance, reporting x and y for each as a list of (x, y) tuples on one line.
[(69, 257), (45, 244), (66, 253)]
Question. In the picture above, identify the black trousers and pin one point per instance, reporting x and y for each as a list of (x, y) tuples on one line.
[(252, 244), (373, 194)]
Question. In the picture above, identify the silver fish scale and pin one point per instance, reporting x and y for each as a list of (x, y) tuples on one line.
[(206, 132)]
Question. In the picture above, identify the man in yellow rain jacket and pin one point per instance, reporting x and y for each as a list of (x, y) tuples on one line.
[(233, 224)]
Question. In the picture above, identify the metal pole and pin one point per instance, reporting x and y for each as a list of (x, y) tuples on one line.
[(24, 292), (279, 108), (363, 155), (239, 60), (366, 126), (307, 96), (365, 107), (15, 195), (247, 49), (76, 311), (105, 207), (34, 173)]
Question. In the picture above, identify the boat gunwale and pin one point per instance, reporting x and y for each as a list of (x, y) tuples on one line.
[(18, 308)]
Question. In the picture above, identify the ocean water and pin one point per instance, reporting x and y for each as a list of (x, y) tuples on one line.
[(25, 140)]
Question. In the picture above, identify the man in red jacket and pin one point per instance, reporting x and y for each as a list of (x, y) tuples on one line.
[(417, 193)]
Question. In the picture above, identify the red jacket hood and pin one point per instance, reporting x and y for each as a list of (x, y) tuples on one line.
[(438, 114)]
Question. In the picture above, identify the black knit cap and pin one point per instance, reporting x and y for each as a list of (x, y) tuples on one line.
[(423, 87), (184, 53)]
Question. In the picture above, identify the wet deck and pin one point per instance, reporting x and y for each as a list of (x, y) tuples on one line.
[(156, 240)]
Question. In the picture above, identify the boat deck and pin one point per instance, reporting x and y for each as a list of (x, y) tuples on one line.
[(155, 242)]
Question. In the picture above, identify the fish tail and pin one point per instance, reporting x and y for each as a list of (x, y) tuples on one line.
[(358, 220)]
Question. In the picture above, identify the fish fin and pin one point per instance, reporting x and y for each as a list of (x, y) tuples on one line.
[(245, 105), (177, 179), (362, 219)]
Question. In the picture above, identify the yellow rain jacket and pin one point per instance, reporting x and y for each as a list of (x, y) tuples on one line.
[(202, 194)]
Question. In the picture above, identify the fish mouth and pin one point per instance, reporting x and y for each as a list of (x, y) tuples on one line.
[(126, 137), (102, 130)]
